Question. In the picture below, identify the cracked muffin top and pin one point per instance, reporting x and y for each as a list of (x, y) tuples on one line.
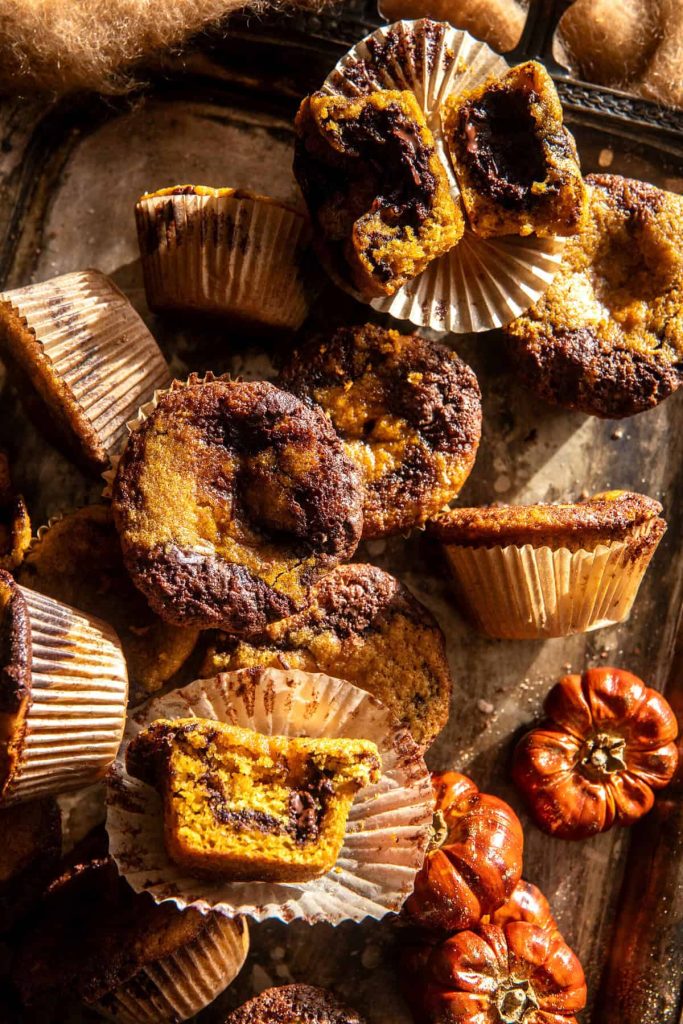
[(294, 1004), (364, 626), (375, 188), (602, 519), (607, 336), (408, 411), (230, 500)]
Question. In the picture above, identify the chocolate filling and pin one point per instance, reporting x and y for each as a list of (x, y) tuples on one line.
[(501, 147)]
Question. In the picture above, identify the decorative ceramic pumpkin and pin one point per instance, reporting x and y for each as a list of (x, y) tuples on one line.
[(607, 745), (527, 903), (475, 860), (515, 974)]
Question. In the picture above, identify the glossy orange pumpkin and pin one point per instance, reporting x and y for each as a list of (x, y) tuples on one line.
[(475, 860), (608, 743), (527, 903), (515, 974)]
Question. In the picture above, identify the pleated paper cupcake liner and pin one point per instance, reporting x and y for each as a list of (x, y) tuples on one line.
[(482, 282), (98, 348), (528, 593), (77, 711), (227, 254), (388, 828), (181, 984)]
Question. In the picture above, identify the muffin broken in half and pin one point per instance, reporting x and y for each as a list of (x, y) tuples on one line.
[(515, 162), (375, 187), (242, 805)]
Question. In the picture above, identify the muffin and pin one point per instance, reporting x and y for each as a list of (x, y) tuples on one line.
[(294, 1004), (364, 626), (607, 336), (531, 571), (376, 189), (78, 560), (15, 525), (123, 955), (244, 806), (408, 411), (515, 162), (224, 251), (80, 345), (63, 689), (29, 854), (264, 502)]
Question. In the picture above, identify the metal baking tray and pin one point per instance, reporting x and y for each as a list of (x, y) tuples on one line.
[(70, 172)]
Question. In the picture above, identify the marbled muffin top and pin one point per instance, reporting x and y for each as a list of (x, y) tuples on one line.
[(294, 1004), (230, 500), (15, 676), (364, 626), (78, 560), (603, 519), (408, 411), (607, 336)]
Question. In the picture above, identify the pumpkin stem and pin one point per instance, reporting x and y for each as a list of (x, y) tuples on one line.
[(439, 832), (514, 1000), (603, 754)]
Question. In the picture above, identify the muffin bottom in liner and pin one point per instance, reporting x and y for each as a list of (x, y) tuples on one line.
[(523, 592), (79, 686), (387, 831), (182, 983), (230, 255), (481, 283)]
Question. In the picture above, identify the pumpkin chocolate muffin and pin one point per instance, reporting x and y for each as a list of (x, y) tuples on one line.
[(364, 626), (375, 187), (408, 411), (294, 1004), (15, 525), (29, 854), (95, 940), (531, 571), (78, 560), (230, 500), (607, 336), (515, 162), (241, 805)]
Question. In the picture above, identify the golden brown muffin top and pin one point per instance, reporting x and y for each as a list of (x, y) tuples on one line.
[(408, 411), (364, 626), (608, 517), (93, 933), (294, 1004), (217, 193), (78, 561), (230, 500), (15, 676), (607, 336)]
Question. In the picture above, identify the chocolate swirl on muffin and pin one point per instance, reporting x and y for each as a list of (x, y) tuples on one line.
[(408, 411), (230, 500)]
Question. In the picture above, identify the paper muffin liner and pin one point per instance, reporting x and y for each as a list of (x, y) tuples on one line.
[(482, 282), (388, 827), (179, 985), (523, 592), (97, 346), (77, 713), (229, 254)]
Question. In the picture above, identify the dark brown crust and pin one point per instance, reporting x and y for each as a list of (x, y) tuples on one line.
[(322, 507), (29, 854), (15, 678), (611, 370), (416, 381), (586, 523), (302, 1004), (93, 933), (358, 604)]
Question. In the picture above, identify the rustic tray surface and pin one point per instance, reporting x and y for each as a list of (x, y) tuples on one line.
[(69, 175)]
